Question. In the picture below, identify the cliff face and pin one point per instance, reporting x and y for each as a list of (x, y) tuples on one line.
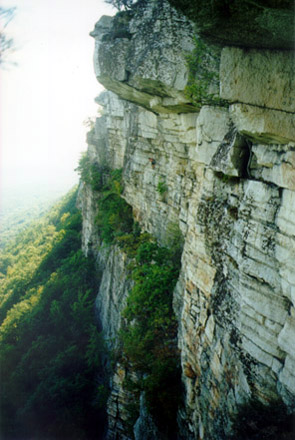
[(225, 176)]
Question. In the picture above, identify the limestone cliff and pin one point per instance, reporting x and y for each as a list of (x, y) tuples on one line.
[(228, 173)]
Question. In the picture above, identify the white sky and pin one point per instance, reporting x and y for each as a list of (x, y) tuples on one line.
[(47, 96)]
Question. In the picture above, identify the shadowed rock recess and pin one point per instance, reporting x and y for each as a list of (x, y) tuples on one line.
[(222, 175)]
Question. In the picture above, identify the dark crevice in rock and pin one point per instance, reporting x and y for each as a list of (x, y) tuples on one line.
[(243, 23)]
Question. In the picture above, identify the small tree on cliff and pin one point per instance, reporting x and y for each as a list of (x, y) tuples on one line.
[(119, 4), (6, 43)]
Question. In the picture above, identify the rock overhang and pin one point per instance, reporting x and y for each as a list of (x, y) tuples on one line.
[(145, 64), (261, 24)]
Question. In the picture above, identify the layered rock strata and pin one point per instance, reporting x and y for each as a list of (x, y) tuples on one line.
[(229, 186)]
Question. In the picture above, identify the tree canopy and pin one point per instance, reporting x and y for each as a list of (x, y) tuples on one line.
[(120, 4), (51, 353)]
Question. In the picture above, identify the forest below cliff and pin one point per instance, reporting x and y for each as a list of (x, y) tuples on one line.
[(20, 206), (54, 361), (51, 352), (187, 201)]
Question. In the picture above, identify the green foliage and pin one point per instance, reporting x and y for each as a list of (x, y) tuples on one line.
[(89, 123), (148, 337), (119, 4), (203, 82), (50, 350), (162, 187), (91, 173), (257, 421), (19, 208), (114, 217), (149, 334), (174, 240), (130, 242), (83, 169), (132, 409)]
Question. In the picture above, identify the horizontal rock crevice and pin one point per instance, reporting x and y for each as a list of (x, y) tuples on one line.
[(224, 177)]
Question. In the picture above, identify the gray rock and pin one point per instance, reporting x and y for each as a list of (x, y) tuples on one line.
[(235, 296), (258, 77), (232, 155), (140, 56), (263, 125)]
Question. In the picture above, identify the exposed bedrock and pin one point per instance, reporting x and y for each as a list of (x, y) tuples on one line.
[(140, 56), (228, 173)]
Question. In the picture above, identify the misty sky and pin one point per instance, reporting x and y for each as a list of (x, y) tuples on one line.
[(45, 98)]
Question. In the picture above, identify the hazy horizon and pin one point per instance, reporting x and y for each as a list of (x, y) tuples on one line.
[(49, 93)]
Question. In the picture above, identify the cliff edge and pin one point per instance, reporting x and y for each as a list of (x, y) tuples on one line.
[(222, 172)]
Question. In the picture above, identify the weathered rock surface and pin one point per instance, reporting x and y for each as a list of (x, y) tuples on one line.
[(114, 287), (149, 71), (263, 125), (262, 78), (274, 163), (229, 185), (87, 203), (121, 405)]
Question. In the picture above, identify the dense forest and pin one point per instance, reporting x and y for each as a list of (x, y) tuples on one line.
[(51, 353), (20, 206), (54, 363)]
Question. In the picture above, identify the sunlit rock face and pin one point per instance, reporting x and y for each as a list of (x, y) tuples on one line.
[(224, 177), (262, 78)]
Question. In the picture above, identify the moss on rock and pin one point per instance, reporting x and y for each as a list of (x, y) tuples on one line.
[(245, 23)]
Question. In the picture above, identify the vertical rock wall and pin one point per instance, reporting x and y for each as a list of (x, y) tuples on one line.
[(225, 177)]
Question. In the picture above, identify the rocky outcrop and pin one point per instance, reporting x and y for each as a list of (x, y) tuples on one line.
[(224, 177), (144, 70)]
